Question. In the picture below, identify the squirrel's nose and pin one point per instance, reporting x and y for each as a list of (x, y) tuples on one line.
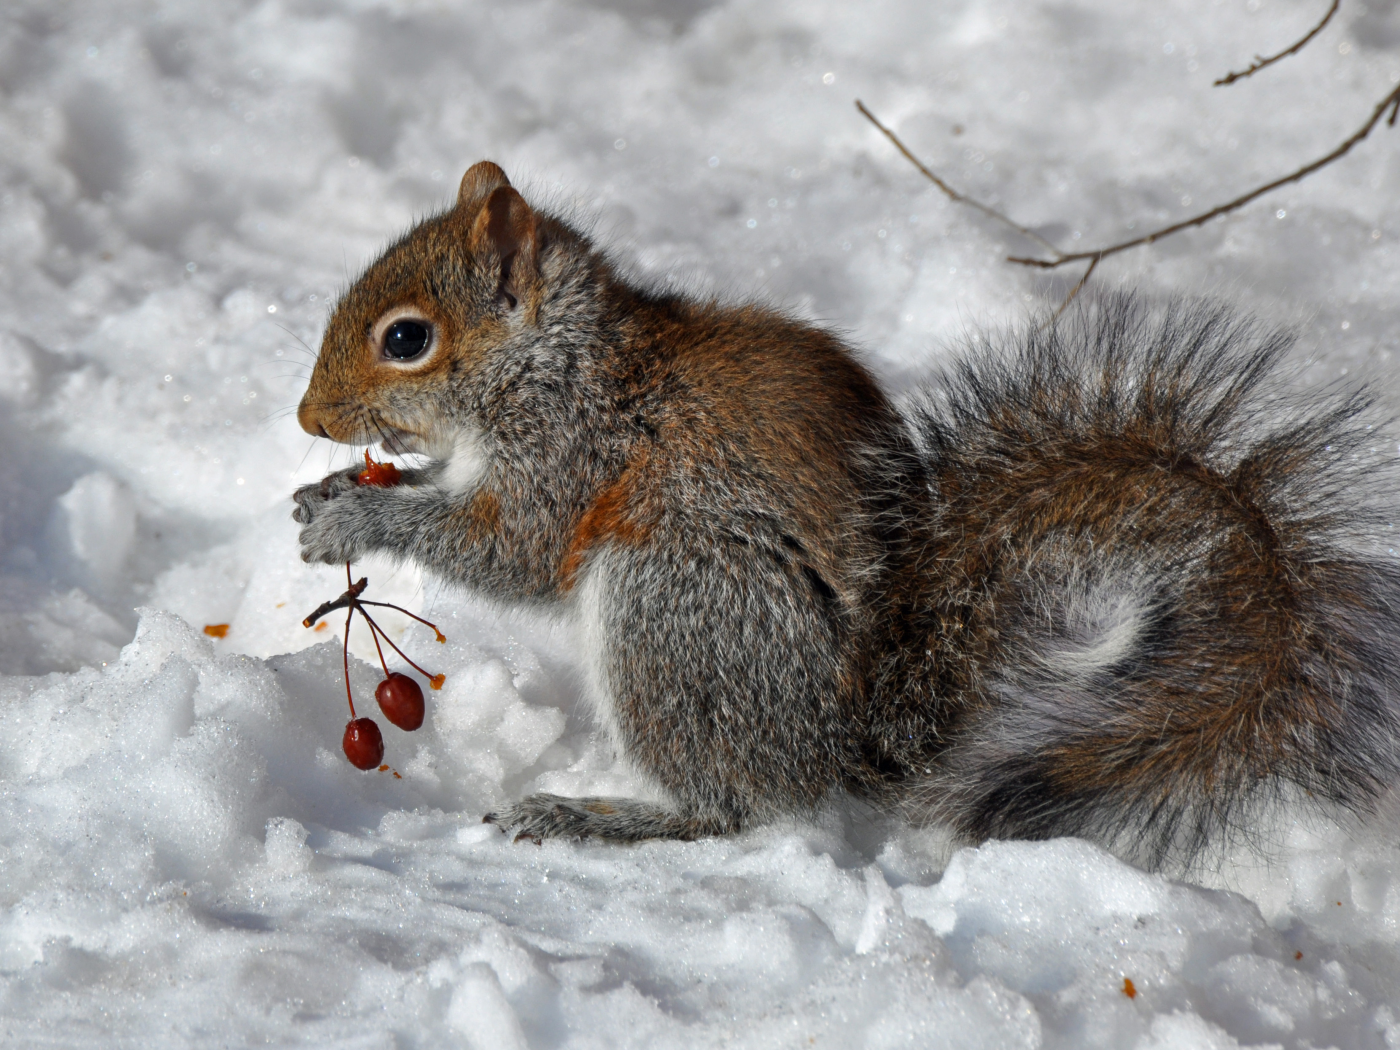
[(306, 416)]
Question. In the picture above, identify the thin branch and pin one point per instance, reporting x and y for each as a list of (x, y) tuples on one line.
[(346, 599), (962, 198), (352, 602), (954, 195), (1260, 62), (1391, 102), (1079, 286)]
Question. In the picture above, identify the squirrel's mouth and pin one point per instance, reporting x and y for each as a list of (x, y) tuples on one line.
[(397, 442), (393, 438), (434, 440)]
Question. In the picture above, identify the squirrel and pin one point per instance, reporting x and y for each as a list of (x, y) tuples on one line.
[(1107, 579)]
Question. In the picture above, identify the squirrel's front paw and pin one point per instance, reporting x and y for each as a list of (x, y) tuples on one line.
[(333, 526), (310, 498)]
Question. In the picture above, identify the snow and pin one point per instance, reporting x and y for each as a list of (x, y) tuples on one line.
[(186, 858)]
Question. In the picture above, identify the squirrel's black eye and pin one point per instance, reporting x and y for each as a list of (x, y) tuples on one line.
[(406, 339)]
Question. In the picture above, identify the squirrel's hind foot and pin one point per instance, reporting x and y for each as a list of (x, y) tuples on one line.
[(540, 817)]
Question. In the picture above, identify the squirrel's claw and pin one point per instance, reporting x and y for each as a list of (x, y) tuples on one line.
[(505, 824), (309, 497), (329, 532), (544, 816)]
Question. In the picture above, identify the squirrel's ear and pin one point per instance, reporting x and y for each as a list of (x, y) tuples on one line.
[(505, 227), (481, 178)]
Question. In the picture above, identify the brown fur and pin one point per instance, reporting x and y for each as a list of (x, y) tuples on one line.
[(608, 519), (1110, 596)]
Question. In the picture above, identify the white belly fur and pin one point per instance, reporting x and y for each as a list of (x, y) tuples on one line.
[(464, 461), (590, 619), (595, 591)]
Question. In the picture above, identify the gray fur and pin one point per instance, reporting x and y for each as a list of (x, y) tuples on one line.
[(770, 637), (545, 816)]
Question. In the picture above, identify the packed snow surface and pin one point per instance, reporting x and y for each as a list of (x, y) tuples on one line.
[(185, 857)]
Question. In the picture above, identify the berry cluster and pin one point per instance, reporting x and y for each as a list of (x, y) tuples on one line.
[(399, 696)]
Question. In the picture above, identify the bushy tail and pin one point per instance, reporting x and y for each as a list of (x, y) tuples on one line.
[(1164, 592)]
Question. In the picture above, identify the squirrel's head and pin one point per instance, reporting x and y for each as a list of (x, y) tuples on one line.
[(430, 307)]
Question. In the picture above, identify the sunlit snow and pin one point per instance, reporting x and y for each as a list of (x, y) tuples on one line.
[(186, 859)]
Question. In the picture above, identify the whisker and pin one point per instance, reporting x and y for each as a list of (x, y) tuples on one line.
[(302, 462), (272, 419), (356, 416), (309, 355), (328, 404), (298, 338), (379, 428)]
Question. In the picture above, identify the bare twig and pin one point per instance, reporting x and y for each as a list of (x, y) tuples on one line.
[(1094, 256), (346, 599), (1260, 62), (1391, 102), (345, 660), (954, 195), (1078, 287), (962, 198)]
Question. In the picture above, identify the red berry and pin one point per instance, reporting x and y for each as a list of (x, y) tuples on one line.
[(401, 700), (363, 743), (383, 475)]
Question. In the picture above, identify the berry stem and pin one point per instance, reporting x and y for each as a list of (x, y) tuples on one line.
[(427, 623), (345, 656), (350, 601), (396, 649), (374, 632), (340, 603)]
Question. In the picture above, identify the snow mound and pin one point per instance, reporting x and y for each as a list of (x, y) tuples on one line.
[(185, 856)]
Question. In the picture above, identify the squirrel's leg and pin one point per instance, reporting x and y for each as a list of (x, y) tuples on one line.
[(723, 672), (546, 816)]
